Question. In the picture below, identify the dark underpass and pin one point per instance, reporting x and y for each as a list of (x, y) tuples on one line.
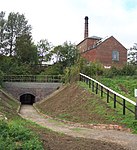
[(27, 99)]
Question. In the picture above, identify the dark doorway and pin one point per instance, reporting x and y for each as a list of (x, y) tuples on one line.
[(27, 99)]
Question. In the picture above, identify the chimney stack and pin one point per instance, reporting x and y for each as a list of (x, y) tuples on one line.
[(86, 27)]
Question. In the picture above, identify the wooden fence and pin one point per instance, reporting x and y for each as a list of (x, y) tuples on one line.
[(117, 98), (32, 78)]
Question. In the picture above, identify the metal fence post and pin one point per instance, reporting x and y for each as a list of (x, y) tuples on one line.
[(115, 100), (107, 96), (136, 111), (101, 91), (89, 83), (124, 107), (92, 86), (135, 92), (96, 88)]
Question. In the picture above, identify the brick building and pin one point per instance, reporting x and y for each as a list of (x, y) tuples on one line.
[(108, 51)]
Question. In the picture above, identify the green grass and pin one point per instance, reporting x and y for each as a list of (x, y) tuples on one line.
[(15, 136), (129, 84), (128, 120), (14, 132), (8, 105)]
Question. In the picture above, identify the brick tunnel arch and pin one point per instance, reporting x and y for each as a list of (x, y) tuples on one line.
[(27, 98)]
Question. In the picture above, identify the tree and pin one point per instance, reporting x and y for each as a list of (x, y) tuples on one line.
[(2, 32), (25, 50), (67, 54), (16, 26), (7, 64), (71, 53), (58, 53), (44, 48), (132, 54)]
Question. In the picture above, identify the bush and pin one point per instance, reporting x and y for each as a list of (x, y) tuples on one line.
[(113, 71), (128, 70), (93, 69), (71, 74), (1, 76), (55, 69)]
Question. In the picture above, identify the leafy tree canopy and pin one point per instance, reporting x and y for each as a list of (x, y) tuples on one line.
[(67, 54), (44, 47), (15, 26), (25, 50), (132, 54)]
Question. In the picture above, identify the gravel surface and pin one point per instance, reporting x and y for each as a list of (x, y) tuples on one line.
[(125, 139)]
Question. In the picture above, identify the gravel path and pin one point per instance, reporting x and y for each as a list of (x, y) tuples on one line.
[(125, 139)]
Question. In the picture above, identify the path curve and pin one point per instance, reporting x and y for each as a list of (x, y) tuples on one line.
[(125, 139)]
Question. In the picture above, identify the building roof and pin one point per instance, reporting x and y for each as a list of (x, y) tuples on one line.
[(92, 37), (95, 37), (99, 43)]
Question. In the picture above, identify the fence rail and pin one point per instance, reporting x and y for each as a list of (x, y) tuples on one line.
[(32, 78), (96, 86)]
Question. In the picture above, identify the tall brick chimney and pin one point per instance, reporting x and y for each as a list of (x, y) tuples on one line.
[(86, 27)]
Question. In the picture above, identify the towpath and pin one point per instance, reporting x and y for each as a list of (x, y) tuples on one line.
[(126, 139)]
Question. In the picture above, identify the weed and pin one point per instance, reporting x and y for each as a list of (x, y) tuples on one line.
[(14, 136)]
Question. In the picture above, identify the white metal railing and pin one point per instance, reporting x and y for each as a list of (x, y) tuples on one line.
[(104, 89)]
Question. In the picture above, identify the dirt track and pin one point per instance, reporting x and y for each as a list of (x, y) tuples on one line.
[(125, 139)]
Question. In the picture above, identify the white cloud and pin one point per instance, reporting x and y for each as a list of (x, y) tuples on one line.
[(110, 17), (63, 20)]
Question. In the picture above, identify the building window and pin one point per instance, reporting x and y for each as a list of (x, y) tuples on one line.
[(115, 55)]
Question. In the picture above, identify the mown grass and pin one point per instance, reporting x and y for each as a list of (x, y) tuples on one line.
[(129, 119)]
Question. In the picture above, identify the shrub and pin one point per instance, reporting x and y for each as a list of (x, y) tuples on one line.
[(1, 76), (93, 69), (71, 74), (55, 69), (113, 71), (128, 70)]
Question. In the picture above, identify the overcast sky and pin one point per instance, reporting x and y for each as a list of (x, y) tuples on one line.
[(63, 20)]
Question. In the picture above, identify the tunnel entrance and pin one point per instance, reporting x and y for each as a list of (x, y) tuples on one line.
[(27, 99)]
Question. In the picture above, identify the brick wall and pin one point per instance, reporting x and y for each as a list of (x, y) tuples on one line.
[(103, 52), (86, 44), (90, 55)]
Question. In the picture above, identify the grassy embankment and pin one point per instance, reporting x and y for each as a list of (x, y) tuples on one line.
[(78, 104), (15, 131), (126, 88), (124, 85), (75, 103)]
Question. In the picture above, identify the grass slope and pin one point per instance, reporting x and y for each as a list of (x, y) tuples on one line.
[(14, 134), (8, 105), (76, 103), (17, 133), (124, 85)]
